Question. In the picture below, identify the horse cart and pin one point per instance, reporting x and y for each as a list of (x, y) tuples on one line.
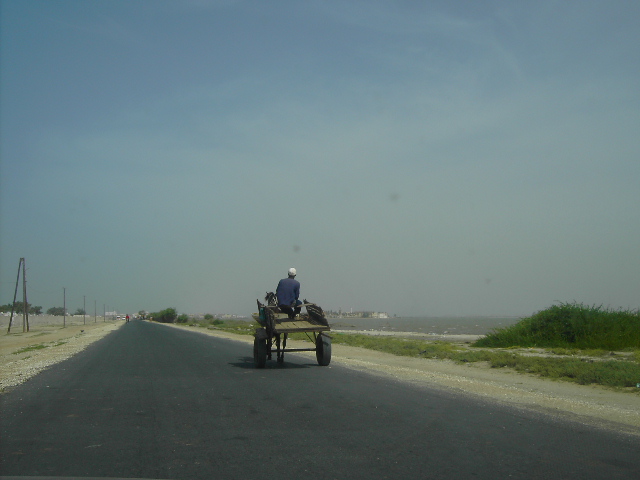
[(275, 327)]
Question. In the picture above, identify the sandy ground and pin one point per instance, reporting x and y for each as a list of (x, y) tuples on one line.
[(25, 354), (586, 404)]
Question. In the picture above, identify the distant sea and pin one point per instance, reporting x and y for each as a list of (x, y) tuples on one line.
[(426, 325)]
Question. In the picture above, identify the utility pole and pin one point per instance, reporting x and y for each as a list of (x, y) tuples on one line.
[(25, 309), (84, 309), (95, 311), (64, 306), (25, 305), (15, 294)]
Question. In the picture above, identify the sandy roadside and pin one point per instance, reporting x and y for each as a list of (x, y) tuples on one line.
[(586, 404), (25, 354)]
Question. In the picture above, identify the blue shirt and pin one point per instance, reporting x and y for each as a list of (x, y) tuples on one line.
[(288, 291)]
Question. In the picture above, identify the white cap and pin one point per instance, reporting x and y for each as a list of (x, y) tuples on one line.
[(292, 271)]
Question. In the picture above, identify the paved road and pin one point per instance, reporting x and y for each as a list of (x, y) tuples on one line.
[(149, 401)]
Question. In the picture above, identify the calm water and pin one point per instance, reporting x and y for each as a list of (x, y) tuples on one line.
[(427, 325)]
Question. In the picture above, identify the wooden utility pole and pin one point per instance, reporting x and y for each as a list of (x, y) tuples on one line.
[(84, 309), (25, 309), (64, 306), (25, 304), (15, 294)]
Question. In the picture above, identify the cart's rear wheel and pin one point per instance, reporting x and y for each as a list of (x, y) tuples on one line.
[(260, 352), (323, 350)]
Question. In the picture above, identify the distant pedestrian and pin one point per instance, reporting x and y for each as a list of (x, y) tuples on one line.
[(127, 318)]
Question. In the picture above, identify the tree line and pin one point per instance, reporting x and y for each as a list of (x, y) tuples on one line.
[(168, 315), (18, 309)]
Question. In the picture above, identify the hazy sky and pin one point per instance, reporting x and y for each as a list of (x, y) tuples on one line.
[(420, 158)]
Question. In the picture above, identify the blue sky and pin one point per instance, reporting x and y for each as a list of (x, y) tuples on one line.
[(421, 158)]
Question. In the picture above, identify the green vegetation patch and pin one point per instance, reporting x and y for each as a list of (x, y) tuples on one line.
[(611, 373), (38, 346), (241, 327), (572, 326), (168, 315), (30, 348), (398, 346), (585, 371)]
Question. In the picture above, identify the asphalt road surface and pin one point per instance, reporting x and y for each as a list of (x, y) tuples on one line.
[(150, 401)]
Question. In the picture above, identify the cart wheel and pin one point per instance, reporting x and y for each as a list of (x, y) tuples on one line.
[(259, 352), (323, 350)]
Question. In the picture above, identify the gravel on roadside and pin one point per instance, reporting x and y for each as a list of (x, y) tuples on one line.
[(25, 354)]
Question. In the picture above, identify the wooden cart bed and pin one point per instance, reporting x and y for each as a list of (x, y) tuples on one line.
[(301, 324)]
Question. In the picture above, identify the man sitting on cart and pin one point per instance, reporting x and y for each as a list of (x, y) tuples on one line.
[(288, 292)]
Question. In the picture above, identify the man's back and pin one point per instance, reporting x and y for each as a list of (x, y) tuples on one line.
[(288, 291)]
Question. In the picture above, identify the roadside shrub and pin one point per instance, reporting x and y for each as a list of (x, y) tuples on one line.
[(573, 326), (167, 315)]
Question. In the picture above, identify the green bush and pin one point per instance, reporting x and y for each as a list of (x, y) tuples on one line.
[(167, 315), (573, 326)]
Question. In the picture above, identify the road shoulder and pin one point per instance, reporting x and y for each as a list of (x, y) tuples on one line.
[(589, 404)]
